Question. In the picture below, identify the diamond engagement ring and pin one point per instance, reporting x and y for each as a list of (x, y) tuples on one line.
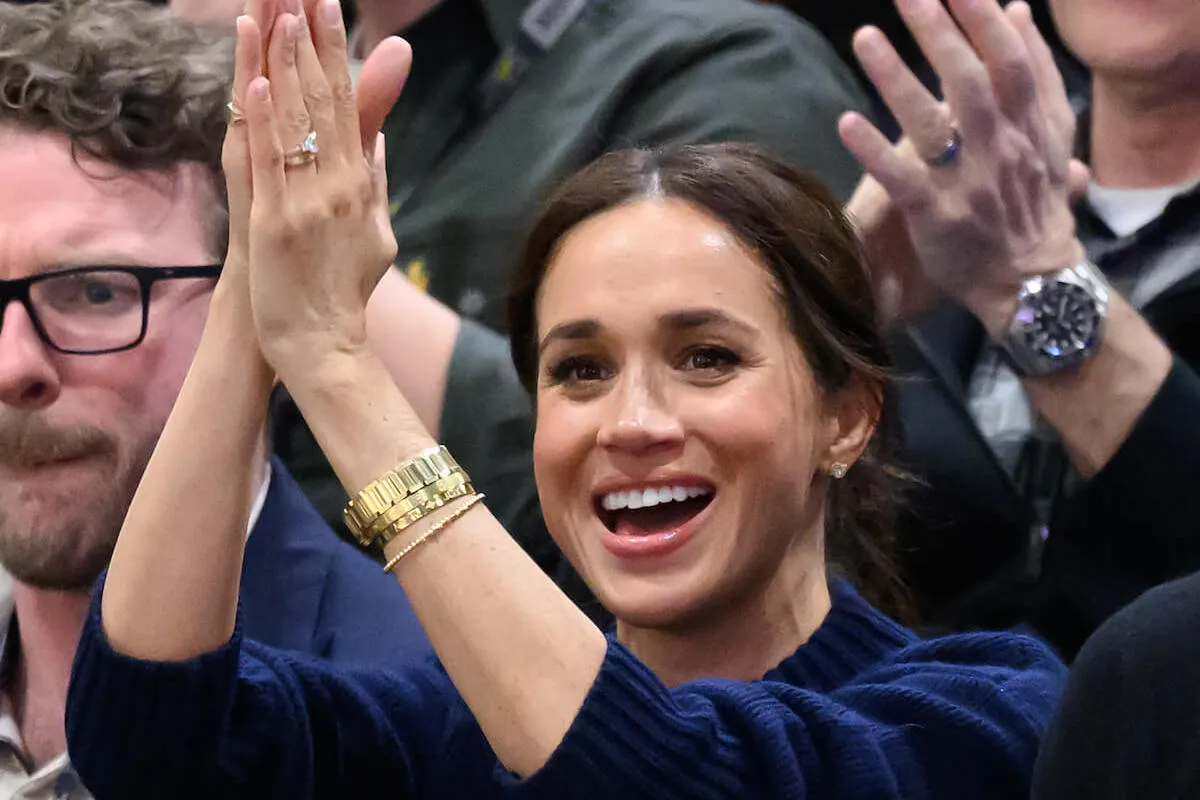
[(305, 154), (950, 151)]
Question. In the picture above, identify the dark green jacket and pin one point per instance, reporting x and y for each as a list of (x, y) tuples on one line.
[(626, 73)]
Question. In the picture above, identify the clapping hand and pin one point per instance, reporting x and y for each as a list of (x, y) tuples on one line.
[(316, 223), (982, 181)]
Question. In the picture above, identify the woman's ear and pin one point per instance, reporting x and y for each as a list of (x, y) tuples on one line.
[(852, 414)]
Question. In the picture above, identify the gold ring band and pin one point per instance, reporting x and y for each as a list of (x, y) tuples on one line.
[(305, 154), (233, 114)]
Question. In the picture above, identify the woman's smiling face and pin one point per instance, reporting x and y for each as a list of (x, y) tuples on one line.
[(679, 427)]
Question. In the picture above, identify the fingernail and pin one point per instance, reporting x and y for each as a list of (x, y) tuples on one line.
[(332, 11), (293, 30), (261, 89)]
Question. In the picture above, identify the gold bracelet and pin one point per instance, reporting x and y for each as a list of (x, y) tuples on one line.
[(444, 489), (426, 468), (419, 513), (437, 528)]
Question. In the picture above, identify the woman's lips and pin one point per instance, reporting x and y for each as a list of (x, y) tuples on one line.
[(655, 531)]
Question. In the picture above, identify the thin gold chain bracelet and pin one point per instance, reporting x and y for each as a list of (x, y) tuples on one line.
[(437, 528)]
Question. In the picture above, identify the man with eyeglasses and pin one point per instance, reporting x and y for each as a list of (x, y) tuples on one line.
[(112, 228)]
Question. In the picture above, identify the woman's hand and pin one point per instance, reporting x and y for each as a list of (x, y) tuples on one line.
[(319, 235), (997, 210), (233, 287)]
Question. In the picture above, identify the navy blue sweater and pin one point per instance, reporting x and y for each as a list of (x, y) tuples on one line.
[(863, 710)]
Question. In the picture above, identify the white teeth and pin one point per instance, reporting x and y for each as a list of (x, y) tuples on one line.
[(647, 498)]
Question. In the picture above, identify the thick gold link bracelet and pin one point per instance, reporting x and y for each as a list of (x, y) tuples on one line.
[(434, 530), (425, 469), (424, 509), (445, 488)]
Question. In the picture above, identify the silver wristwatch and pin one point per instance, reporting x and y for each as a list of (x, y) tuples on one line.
[(1059, 322)]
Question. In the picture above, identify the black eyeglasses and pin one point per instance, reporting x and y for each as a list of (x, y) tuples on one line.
[(93, 310)]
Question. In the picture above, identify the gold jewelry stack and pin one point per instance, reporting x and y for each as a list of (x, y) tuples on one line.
[(406, 494)]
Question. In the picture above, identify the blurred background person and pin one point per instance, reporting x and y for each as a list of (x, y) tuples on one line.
[(1127, 725), (1054, 499)]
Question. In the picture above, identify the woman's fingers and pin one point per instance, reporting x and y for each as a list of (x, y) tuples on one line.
[(263, 13), (921, 116), (291, 112), (329, 36), (379, 86), (235, 157), (266, 150), (965, 81), (318, 100)]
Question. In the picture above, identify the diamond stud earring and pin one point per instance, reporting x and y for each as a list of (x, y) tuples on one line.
[(838, 470)]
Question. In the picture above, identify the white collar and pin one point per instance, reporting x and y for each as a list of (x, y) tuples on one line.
[(260, 500)]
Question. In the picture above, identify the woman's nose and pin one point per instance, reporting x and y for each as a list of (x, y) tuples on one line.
[(640, 419)]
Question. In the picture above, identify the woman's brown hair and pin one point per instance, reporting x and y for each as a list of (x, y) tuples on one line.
[(810, 249)]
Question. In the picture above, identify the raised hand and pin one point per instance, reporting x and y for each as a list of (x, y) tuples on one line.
[(984, 179), (319, 236)]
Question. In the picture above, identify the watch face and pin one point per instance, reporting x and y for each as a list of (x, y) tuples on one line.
[(1061, 321)]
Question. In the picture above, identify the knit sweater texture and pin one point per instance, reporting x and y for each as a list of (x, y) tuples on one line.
[(864, 709)]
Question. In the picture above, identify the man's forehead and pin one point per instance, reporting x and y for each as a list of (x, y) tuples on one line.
[(59, 208)]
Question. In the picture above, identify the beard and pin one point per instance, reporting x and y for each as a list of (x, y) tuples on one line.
[(59, 534)]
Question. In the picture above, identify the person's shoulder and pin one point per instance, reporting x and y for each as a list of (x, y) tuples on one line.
[(984, 649), (714, 22), (995, 669), (1159, 630)]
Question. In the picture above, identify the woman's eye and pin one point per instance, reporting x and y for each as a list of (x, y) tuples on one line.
[(578, 370), (710, 359)]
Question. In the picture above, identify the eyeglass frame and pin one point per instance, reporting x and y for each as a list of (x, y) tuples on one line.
[(18, 289)]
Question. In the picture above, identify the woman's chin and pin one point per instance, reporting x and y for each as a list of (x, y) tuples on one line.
[(644, 602)]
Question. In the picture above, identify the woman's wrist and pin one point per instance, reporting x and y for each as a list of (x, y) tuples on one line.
[(361, 420), (298, 354)]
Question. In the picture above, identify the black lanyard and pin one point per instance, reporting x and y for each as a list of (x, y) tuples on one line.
[(543, 24)]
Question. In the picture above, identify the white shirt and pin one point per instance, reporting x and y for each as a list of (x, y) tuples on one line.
[(1126, 211), (55, 780)]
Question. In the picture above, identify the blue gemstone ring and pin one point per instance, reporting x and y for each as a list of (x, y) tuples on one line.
[(950, 150)]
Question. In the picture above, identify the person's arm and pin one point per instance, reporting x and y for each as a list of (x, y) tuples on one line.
[(248, 722), (462, 384), (764, 78), (1000, 211), (1095, 408), (180, 548), (414, 336)]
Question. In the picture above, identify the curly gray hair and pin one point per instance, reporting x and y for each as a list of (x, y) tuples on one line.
[(128, 84)]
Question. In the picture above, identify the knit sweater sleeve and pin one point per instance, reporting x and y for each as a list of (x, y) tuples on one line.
[(955, 717), (248, 721)]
